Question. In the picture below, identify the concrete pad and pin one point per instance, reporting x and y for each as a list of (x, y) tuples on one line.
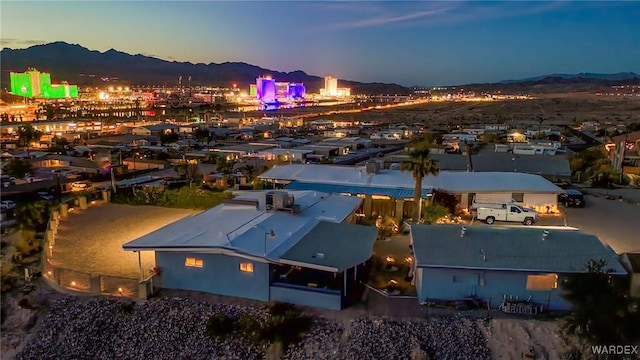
[(91, 240)]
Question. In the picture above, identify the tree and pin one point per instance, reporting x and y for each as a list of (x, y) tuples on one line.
[(225, 166), (603, 312), (249, 171), (188, 171), (201, 134), (420, 164), (167, 138), (26, 135), (18, 167)]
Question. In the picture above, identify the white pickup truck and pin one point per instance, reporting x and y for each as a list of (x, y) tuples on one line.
[(506, 212)]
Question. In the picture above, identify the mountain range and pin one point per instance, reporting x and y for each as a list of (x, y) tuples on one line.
[(79, 65), (587, 76)]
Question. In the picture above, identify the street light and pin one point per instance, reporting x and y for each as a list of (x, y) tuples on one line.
[(270, 234)]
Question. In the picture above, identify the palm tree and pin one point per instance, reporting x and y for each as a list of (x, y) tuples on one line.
[(420, 164), (26, 135), (249, 171)]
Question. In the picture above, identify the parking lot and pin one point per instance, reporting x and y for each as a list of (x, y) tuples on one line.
[(91, 240)]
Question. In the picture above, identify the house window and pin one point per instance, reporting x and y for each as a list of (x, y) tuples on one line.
[(542, 282), (246, 267), (518, 197), (193, 262)]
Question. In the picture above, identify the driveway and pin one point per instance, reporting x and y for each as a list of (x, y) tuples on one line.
[(91, 240), (616, 223)]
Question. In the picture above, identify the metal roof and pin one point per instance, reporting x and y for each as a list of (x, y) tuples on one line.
[(550, 165), (333, 247), (394, 193), (509, 248), (452, 181), (241, 229)]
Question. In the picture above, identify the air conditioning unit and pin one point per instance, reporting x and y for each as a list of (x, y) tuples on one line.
[(372, 167), (282, 200), (269, 200)]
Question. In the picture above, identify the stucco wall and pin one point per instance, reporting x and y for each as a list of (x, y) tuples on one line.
[(220, 274), (456, 284)]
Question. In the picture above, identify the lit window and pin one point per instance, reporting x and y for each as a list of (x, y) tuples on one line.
[(193, 262), (542, 282), (246, 267)]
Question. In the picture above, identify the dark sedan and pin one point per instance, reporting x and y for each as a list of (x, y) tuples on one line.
[(572, 198)]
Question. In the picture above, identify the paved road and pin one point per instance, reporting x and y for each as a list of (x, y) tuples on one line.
[(614, 222)]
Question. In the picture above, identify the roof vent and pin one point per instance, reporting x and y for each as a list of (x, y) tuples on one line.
[(545, 234), (483, 254), (318, 256), (463, 231)]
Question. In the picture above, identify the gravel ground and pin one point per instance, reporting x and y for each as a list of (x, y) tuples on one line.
[(175, 328), (91, 240)]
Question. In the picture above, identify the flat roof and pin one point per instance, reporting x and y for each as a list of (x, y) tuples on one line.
[(241, 229), (453, 181), (333, 247), (509, 248), (394, 193), (531, 164)]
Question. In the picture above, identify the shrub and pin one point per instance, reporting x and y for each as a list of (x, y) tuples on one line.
[(432, 213), (25, 303), (27, 244), (127, 307), (220, 325), (286, 324)]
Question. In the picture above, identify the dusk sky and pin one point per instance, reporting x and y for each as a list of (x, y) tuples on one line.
[(410, 43)]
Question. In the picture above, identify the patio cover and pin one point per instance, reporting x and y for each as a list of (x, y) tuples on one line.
[(332, 247)]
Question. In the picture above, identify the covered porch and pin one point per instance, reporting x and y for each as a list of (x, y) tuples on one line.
[(325, 268)]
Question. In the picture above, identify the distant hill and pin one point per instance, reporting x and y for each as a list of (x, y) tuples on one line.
[(79, 65), (590, 76), (558, 84)]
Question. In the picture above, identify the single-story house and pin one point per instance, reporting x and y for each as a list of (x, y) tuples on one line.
[(293, 155), (502, 265), (154, 130), (480, 187), (74, 163), (299, 247), (551, 167)]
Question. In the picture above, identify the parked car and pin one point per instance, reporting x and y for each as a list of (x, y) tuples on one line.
[(45, 195), (506, 212), (81, 186), (8, 204), (572, 198)]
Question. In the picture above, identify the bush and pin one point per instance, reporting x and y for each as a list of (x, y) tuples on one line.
[(185, 197), (220, 325), (432, 213), (127, 307), (286, 324)]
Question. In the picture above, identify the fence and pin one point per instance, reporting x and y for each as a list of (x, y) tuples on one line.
[(77, 280)]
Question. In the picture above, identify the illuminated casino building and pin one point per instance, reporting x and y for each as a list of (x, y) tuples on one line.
[(268, 91), (34, 84), (331, 88)]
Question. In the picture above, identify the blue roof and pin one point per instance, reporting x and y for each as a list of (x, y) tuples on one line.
[(394, 193), (509, 248)]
